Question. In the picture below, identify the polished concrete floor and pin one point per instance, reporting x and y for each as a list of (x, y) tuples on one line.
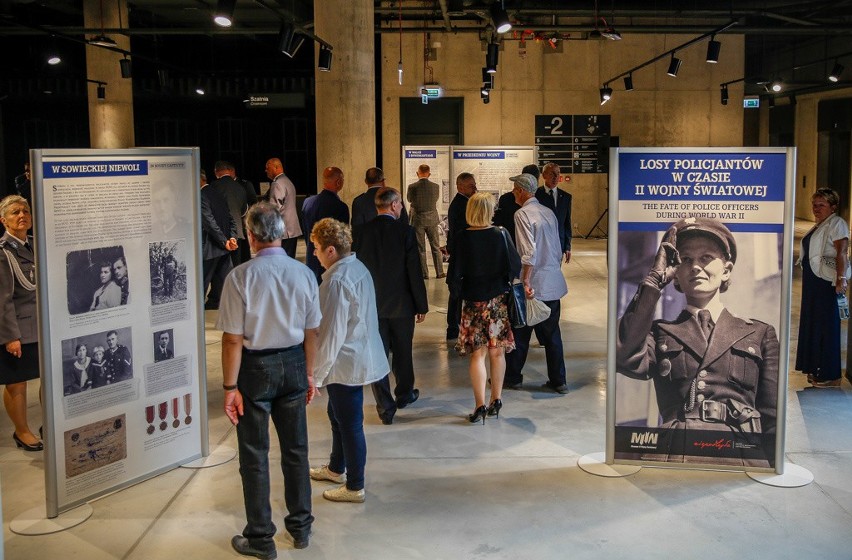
[(440, 488)]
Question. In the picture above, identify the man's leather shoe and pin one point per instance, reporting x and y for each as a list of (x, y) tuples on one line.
[(513, 386), (415, 394), (561, 389), (301, 543), (242, 546), (387, 419)]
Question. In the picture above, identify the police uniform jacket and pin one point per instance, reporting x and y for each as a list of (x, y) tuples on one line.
[(735, 374), (18, 320)]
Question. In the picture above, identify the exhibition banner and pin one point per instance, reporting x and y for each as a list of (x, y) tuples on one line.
[(699, 306), (120, 321)]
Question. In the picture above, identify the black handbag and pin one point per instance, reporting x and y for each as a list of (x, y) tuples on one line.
[(516, 303)]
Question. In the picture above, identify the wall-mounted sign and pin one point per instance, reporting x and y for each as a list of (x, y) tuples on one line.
[(575, 142), (294, 100), (751, 102)]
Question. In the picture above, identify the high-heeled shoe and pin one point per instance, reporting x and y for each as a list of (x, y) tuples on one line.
[(494, 408), (480, 412), (27, 447)]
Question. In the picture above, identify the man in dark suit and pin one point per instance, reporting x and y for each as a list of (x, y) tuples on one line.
[(162, 351), (218, 238), (364, 205), (388, 249), (504, 215), (325, 204), (239, 197), (713, 372), (456, 222), (560, 202)]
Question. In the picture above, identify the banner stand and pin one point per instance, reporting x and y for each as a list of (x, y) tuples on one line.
[(219, 456), (34, 522), (794, 476), (595, 463)]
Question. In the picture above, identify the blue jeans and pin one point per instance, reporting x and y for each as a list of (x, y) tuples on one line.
[(348, 444), (274, 385), (549, 334)]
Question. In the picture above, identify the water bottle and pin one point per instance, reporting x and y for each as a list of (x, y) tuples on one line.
[(843, 306)]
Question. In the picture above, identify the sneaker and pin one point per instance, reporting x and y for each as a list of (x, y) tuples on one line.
[(561, 389), (344, 494), (322, 473)]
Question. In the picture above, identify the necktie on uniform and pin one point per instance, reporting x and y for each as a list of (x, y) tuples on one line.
[(706, 323)]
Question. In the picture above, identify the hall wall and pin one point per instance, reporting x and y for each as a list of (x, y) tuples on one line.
[(660, 111)]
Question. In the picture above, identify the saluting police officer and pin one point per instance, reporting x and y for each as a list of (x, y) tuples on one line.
[(712, 371)]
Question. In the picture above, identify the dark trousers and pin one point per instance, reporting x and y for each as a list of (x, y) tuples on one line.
[(549, 334), (242, 254), (348, 444), (397, 334), (421, 233), (215, 270), (289, 246), (453, 316), (274, 386)]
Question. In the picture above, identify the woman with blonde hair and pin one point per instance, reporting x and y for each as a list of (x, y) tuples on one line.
[(18, 328), (484, 265)]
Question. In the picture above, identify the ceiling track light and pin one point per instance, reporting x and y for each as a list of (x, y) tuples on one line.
[(776, 85), (606, 93), (324, 63), (224, 14), (289, 39), (485, 95), (199, 88), (491, 57), (628, 82), (713, 49), (487, 79), (103, 41), (53, 59), (674, 66), (126, 67), (835, 72), (724, 95), (500, 18)]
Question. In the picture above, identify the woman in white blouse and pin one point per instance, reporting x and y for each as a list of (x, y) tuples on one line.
[(350, 355), (825, 273)]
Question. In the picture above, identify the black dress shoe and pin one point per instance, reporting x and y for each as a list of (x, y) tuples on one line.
[(415, 394), (242, 546), (301, 543), (561, 389), (27, 447), (387, 419), (513, 386)]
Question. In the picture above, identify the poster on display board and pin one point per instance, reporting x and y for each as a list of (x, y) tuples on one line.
[(123, 369), (699, 306)]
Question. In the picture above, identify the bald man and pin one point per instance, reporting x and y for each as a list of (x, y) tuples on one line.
[(325, 204), (282, 195)]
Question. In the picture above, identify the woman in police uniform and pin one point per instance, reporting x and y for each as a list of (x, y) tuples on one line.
[(712, 371), (18, 330)]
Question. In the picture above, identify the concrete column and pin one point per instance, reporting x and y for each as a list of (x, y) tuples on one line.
[(110, 120), (346, 110)]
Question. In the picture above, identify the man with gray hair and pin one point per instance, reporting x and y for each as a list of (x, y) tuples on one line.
[(269, 316), (537, 237), (423, 198), (282, 194), (239, 197)]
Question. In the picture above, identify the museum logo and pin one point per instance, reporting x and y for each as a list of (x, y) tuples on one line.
[(644, 440)]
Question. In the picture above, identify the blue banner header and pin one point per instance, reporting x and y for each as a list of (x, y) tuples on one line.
[(60, 169)]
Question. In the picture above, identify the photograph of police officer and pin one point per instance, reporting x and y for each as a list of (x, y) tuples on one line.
[(96, 279), (96, 360), (167, 264), (712, 371)]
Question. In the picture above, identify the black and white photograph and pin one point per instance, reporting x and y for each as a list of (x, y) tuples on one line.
[(97, 360), (164, 345), (167, 261), (96, 279), (95, 445)]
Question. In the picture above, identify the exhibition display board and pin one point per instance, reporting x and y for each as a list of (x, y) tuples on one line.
[(700, 261), (490, 165), (120, 317)]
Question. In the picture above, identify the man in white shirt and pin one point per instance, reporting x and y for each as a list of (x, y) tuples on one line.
[(282, 195), (537, 238), (269, 314)]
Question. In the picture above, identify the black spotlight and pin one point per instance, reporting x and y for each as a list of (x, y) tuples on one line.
[(606, 94), (713, 48), (674, 66), (835, 72), (289, 40), (724, 95), (485, 96), (491, 57), (324, 63), (101, 92), (500, 18), (487, 79), (628, 82), (224, 14), (126, 67)]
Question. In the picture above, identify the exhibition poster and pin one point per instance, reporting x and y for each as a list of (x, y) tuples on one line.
[(122, 351), (699, 306)]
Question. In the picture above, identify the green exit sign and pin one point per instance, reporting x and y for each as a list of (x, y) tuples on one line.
[(751, 103)]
